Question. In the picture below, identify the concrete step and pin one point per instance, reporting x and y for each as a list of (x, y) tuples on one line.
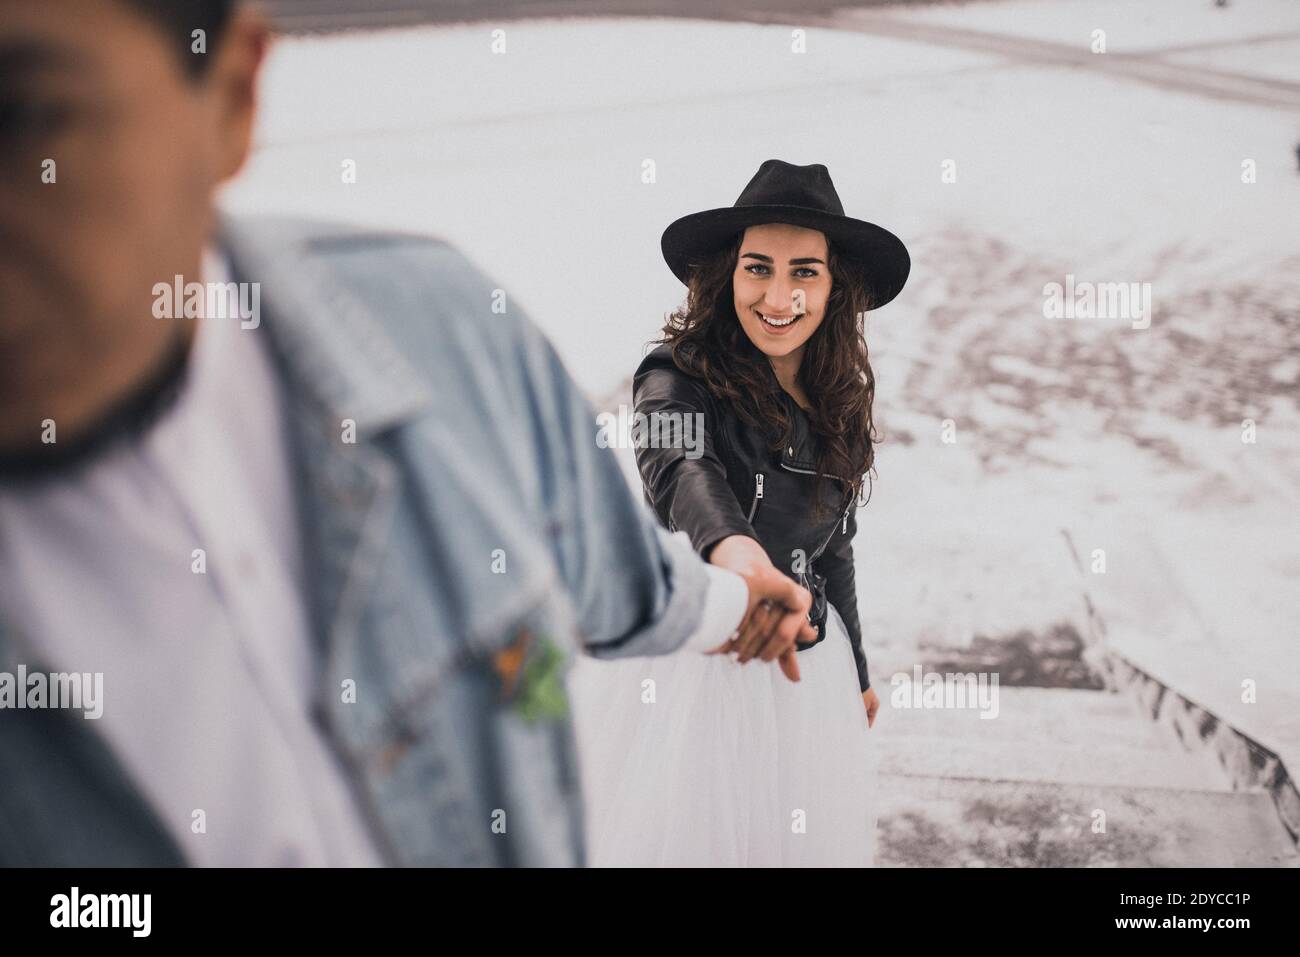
[(1064, 716), (949, 822), (1115, 765), (1049, 735)]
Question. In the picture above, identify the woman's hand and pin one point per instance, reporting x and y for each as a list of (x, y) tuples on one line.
[(872, 703), (777, 615)]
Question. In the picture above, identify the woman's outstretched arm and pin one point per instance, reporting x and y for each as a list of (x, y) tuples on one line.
[(686, 484)]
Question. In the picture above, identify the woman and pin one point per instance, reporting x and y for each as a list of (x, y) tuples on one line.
[(691, 759)]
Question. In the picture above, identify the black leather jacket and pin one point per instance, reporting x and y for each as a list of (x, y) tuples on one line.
[(737, 486)]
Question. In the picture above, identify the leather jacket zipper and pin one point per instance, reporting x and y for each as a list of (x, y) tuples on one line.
[(792, 468), (818, 553), (758, 493), (844, 517)]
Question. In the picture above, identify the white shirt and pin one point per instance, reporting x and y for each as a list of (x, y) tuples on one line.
[(207, 675)]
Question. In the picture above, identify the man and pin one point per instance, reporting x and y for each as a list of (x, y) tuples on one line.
[(329, 529)]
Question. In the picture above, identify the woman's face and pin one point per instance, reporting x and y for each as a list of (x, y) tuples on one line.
[(781, 285)]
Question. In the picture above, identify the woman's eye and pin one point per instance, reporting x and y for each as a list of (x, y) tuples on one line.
[(802, 272)]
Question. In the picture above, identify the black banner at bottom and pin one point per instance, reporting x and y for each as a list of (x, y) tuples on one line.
[(335, 907)]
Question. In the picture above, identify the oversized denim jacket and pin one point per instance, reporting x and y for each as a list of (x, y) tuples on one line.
[(468, 544)]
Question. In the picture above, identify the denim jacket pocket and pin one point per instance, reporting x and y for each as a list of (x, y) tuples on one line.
[(486, 753)]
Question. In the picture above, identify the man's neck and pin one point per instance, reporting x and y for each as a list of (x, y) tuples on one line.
[(63, 448)]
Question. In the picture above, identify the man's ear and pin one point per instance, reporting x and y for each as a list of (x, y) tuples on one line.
[(234, 86)]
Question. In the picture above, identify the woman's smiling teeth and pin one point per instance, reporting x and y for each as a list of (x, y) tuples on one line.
[(778, 322)]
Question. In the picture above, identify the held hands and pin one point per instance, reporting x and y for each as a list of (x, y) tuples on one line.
[(777, 615)]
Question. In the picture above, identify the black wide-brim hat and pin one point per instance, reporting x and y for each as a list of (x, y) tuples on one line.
[(799, 196)]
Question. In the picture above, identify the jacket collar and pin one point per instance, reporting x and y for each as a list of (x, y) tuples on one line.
[(339, 366), (799, 452), (328, 342), (340, 362)]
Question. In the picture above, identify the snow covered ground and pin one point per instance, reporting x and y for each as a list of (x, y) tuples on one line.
[(1130, 438)]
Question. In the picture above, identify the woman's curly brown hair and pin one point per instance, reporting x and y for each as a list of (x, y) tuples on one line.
[(709, 343)]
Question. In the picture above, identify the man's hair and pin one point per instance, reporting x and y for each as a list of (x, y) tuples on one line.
[(178, 19)]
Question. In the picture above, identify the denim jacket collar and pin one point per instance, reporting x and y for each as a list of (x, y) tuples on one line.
[(328, 342), (340, 370), (340, 362)]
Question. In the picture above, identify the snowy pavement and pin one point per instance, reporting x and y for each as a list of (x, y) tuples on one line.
[(532, 163)]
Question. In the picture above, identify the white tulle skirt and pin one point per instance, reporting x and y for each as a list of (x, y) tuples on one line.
[(694, 760)]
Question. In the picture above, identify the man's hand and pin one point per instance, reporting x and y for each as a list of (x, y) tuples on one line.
[(777, 615)]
